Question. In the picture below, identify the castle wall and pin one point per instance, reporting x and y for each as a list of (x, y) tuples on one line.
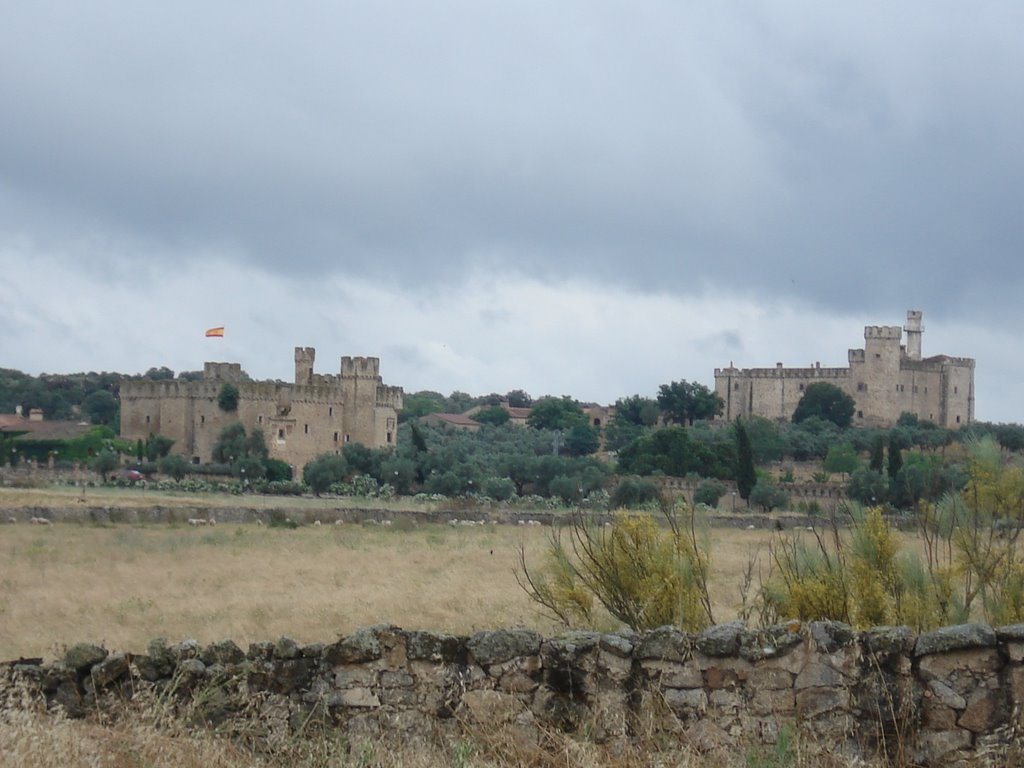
[(885, 379), (299, 421)]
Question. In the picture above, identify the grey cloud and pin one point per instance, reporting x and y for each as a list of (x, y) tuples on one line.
[(849, 158)]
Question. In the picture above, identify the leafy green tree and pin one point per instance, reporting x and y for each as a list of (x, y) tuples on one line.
[(163, 373), (841, 458), (766, 441), (419, 404), (233, 444), (362, 460), (556, 413), (768, 496), (459, 402), (619, 434), (637, 410), (826, 401), (100, 407), (158, 446), (494, 415), (249, 468), (582, 440), (746, 474), (634, 492), (518, 398), (277, 470), (324, 471), (227, 398), (684, 402), (104, 463), (868, 487), (708, 493), (174, 465)]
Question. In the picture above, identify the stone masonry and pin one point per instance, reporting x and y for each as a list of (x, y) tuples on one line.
[(885, 379), (941, 698), (318, 413)]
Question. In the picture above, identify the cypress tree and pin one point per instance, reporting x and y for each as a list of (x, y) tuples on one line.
[(877, 463), (895, 458), (746, 476)]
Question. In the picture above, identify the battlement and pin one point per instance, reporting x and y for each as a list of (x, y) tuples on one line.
[(304, 359), (883, 332), (389, 397), (360, 368), (780, 372), (223, 372)]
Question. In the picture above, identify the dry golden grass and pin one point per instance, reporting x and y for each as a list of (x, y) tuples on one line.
[(123, 584)]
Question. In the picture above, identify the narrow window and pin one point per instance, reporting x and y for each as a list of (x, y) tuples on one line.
[(259, 419), (147, 419), (330, 411), (202, 419), (957, 419), (335, 437), (736, 385), (347, 438), (955, 391), (306, 428), (389, 434), (280, 434), (801, 387), (860, 414)]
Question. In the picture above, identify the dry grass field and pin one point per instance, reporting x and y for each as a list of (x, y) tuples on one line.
[(122, 585)]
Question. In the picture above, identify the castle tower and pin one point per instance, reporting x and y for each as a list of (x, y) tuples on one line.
[(304, 357), (360, 377), (914, 330)]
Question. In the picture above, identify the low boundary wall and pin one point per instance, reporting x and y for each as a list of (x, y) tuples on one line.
[(936, 698)]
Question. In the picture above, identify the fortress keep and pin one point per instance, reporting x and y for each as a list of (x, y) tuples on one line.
[(317, 414), (885, 379)]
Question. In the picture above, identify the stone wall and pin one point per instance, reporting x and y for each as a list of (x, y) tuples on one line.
[(937, 698)]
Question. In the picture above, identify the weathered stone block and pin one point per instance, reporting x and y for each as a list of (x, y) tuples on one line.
[(936, 747), (669, 674), (396, 679), (224, 652), (108, 670), (706, 736), (361, 646), (817, 675), (82, 657), (613, 666), (665, 643), (353, 697), (723, 699), (724, 676), (766, 701), (501, 645), (686, 700), (814, 702), (492, 707), (354, 676), (983, 712), (618, 644), (955, 638), (770, 642), (937, 716), (946, 695), (830, 636), (432, 646), (720, 640), (769, 677), (888, 641), (981, 662)]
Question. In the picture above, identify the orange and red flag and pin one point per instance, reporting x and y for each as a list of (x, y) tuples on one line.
[(218, 331)]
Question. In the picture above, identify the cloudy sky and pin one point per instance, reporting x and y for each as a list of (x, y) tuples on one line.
[(585, 198)]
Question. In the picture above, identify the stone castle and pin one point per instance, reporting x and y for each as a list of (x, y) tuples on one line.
[(885, 379), (317, 414)]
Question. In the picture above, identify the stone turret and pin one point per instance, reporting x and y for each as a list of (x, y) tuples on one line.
[(304, 359), (914, 330)]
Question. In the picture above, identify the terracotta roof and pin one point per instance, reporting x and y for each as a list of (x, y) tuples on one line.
[(455, 419), (42, 430), (10, 422), (518, 413)]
